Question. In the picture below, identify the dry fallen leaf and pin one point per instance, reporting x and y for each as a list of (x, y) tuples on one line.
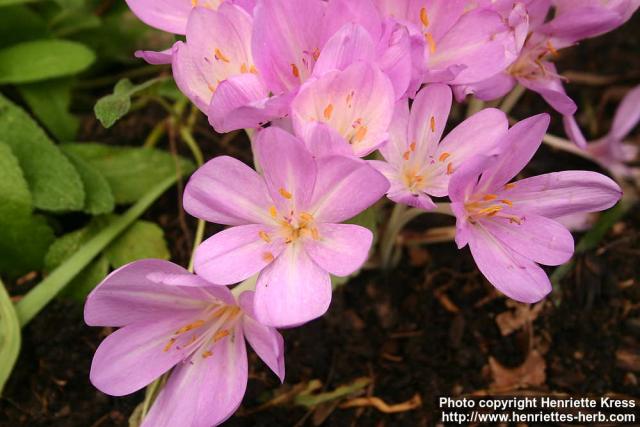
[(530, 373), (511, 320)]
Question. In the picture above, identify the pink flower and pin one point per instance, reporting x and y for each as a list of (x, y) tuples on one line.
[(285, 224), (170, 318), (511, 227), (456, 46), (574, 20), (172, 15), (417, 164), (611, 151)]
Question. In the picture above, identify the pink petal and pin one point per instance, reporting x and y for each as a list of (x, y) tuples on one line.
[(573, 131), (188, 76), (226, 191), (265, 341), (166, 15), (155, 58), (237, 253), (360, 12), (512, 274), (204, 391), (137, 292), (288, 168), (429, 114), (349, 44), (344, 188), (292, 290), (551, 89), (537, 238), (398, 141), (627, 115), (324, 141), (341, 249), (490, 89), (518, 147), (464, 180), (562, 193)]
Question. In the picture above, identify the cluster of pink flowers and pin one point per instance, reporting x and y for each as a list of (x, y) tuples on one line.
[(324, 84)]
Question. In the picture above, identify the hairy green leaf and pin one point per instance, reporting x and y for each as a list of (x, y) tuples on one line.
[(111, 108), (99, 197), (142, 240), (18, 23)]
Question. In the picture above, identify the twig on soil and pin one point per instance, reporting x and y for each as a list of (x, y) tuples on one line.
[(382, 406)]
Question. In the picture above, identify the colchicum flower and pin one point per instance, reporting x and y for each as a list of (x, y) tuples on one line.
[(417, 164), (611, 151), (574, 20), (510, 227), (285, 224), (170, 318)]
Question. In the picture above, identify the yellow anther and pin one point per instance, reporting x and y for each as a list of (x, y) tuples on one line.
[(424, 18), (489, 197), (267, 257), (449, 169), (328, 111), (253, 69), (295, 71), (167, 347), (284, 193), (220, 56), (431, 42), (264, 236), (244, 68), (406, 155), (490, 211), (360, 133), (273, 212), (507, 202), (306, 217), (220, 334), (211, 87), (194, 3), (206, 354), (412, 146), (551, 48), (432, 124), (444, 156), (315, 234), (192, 339), (190, 326), (510, 185), (515, 219)]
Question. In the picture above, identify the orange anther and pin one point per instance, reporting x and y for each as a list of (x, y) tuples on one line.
[(220, 334), (432, 124), (431, 42), (284, 193), (507, 202), (295, 71), (167, 347), (220, 56), (267, 257), (360, 133), (449, 168), (328, 111), (444, 156), (489, 197), (265, 236), (424, 18)]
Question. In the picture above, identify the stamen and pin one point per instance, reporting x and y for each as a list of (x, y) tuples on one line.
[(267, 257), (220, 56), (360, 133), (198, 323), (432, 124), (167, 347), (315, 53), (444, 156), (306, 217), (406, 155), (490, 197), (424, 17), (431, 42), (194, 3), (220, 334), (284, 193), (412, 146), (328, 111), (510, 185), (552, 49), (211, 87), (243, 68), (264, 236), (315, 234), (449, 168), (253, 69), (295, 71), (273, 212), (490, 211), (507, 202), (206, 354)]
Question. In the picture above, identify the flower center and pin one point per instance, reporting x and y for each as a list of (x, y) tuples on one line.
[(487, 206), (292, 226), (530, 64)]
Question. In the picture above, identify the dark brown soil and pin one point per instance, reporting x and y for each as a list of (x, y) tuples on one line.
[(429, 327)]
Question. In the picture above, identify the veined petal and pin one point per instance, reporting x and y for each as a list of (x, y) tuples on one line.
[(189, 79), (134, 356), (265, 341), (465, 179), (512, 274), (292, 290), (288, 168), (205, 390), (517, 148), (325, 141), (537, 238), (136, 292), (226, 191), (428, 118), (343, 100), (237, 253), (398, 141), (341, 248), (562, 193), (344, 188), (286, 41)]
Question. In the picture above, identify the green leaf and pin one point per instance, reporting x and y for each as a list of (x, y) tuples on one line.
[(50, 101), (43, 59), (54, 183), (9, 336), (18, 23), (12, 2), (99, 198), (87, 280), (65, 246), (130, 171), (111, 108), (142, 240), (24, 238), (73, 18), (46, 290)]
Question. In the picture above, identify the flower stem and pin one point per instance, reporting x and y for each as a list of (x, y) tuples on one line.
[(474, 106), (196, 242), (566, 145), (512, 99)]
